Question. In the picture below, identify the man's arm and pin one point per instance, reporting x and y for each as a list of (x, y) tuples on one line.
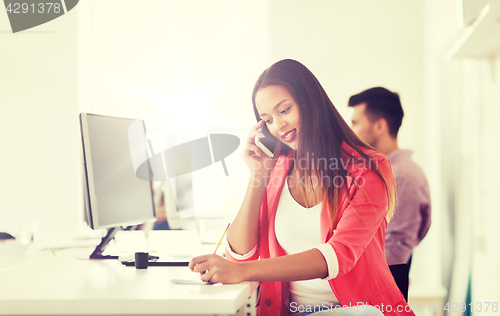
[(402, 233)]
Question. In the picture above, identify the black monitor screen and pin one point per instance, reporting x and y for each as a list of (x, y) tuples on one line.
[(114, 196)]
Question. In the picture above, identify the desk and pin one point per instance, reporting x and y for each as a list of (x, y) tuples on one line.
[(58, 283)]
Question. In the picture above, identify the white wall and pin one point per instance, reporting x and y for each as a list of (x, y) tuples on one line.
[(170, 53), (462, 107), (38, 125)]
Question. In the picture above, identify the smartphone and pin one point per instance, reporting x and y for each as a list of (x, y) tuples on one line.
[(268, 143)]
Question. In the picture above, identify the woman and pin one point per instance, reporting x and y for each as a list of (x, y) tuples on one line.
[(316, 215)]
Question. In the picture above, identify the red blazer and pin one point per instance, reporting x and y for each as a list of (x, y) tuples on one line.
[(357, 238)]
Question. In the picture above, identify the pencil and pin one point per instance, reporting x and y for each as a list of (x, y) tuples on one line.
[(218, 244)]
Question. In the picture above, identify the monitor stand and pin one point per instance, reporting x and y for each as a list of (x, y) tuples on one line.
[(97, 254)]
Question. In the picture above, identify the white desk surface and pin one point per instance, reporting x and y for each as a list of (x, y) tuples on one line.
[(58, 283)]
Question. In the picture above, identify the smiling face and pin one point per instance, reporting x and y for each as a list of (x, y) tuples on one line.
[(280, 111)]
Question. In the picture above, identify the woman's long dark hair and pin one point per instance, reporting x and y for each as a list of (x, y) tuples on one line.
[(322, 131)]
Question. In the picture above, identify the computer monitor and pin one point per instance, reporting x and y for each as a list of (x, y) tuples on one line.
[(114, 196)]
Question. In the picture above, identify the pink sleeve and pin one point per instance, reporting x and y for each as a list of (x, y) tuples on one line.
[(361, 218)]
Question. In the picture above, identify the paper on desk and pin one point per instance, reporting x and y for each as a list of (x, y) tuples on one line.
[(190, 278), (193, 282)]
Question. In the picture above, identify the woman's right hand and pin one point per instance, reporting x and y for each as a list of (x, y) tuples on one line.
[(256, 159)]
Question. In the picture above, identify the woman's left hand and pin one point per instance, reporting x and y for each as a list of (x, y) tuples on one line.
[(215, 269)]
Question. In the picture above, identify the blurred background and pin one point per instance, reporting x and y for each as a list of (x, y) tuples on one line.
[(190, 66)]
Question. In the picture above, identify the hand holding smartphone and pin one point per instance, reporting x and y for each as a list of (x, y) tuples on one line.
[(268, 144)]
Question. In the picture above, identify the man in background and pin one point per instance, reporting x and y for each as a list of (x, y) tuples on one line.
[(376, 119)]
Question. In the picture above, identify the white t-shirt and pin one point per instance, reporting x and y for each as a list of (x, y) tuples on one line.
[(297, 230)]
